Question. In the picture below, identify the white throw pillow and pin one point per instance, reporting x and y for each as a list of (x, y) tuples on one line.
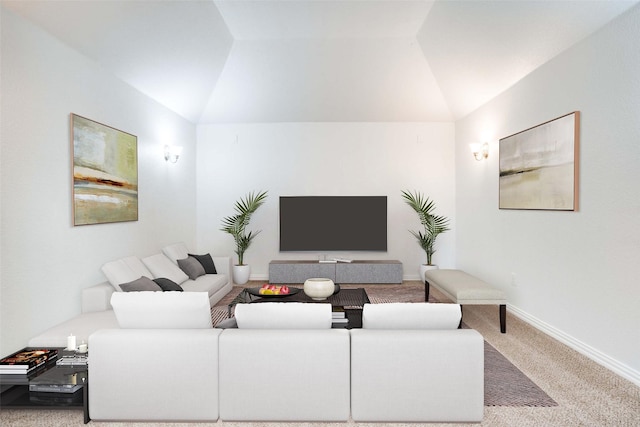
[(411, 316), (161, 266), (118, 272), (162, 310), (176, 251), (283, 315), (134, 263), (125, 270)]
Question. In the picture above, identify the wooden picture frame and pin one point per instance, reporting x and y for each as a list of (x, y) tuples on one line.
[(105, 173), (539, 166)]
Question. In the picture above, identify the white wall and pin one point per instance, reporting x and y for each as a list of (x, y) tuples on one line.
[(324, 159), (576, 273), (45, 260)]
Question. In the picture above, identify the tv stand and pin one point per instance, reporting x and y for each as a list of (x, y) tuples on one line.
[(356, 271)]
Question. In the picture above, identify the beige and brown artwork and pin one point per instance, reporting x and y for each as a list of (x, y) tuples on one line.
[(105, 173), (539, 166)]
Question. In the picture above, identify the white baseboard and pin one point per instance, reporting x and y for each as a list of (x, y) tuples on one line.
[(582, 348)]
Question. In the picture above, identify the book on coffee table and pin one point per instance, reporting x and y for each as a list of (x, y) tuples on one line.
[(26, 360), (72, 358), (59, 380)]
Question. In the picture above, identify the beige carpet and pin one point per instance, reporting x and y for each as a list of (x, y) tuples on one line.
[(587, 394)]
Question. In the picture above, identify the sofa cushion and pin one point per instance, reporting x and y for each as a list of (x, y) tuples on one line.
[(411, 316), (134, 263), (168, 285), (281, 315), (125, 270), (191, 267), (207, 263), (161, 266), (210, 283), (286, 378), (118, 272), (162, 310), (140, 285), (176, 251)]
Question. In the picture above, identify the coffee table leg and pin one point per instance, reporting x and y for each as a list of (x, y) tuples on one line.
[(426, 291), (503, 318), (85, 402)]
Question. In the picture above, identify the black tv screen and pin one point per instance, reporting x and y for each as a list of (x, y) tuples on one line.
[(333, 223)]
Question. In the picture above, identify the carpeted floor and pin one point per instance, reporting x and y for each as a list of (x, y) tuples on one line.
[(587, 393)]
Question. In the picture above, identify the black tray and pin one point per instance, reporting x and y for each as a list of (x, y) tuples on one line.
[(256, 292)]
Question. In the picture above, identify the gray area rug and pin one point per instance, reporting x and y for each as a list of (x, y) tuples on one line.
[(504, 383)]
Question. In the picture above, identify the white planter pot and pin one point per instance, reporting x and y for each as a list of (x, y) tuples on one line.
[(319, 288), (424, 268), (241, 274)]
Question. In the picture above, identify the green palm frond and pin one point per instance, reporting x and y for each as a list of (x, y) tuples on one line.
[(433, 225), (236, 225)]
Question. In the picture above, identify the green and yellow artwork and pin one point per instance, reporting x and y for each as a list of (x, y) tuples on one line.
[(105, 173)]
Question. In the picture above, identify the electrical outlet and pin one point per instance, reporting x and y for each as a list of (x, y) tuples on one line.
[(514, 281)]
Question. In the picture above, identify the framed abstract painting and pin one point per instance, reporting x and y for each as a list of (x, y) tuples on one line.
[(539, 166), (105, 173)]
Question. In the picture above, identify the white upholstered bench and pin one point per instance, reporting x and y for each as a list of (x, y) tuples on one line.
[(465, 289)]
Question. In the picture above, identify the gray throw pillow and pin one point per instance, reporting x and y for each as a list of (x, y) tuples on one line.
[(191, 267), (168, 284), (140, 285), (207, 263)]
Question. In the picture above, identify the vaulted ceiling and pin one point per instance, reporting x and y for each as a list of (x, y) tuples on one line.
[(217, 61)]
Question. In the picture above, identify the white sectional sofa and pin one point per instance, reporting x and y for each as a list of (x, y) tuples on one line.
[(284, 363), (154, 356), (97, 312)]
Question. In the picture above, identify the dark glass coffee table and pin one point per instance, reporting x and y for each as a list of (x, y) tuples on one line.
[(347, 301), (15, 393)]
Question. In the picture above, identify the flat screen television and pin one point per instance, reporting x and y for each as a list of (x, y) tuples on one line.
[(333, 223)]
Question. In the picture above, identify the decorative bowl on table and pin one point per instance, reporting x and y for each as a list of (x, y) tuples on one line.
[(318, 288)]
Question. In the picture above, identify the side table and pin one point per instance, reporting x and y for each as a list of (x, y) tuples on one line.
[(15, 394)]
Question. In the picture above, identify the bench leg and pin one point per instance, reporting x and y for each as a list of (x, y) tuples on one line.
[(503, 318), (426, 291)]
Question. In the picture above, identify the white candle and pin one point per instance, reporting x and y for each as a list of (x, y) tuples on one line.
[(71, 342)]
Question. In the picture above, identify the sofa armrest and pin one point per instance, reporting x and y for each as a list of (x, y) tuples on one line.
[(223, 265), (97, 297)]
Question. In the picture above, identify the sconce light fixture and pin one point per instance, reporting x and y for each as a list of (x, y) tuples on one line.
[(480, 151), (172, 153)]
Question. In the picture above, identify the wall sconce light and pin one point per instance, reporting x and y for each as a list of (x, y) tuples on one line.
[(480, 151), (172, 153)]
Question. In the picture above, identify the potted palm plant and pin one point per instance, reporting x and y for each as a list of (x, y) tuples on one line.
[(432, 225), (236, 225)]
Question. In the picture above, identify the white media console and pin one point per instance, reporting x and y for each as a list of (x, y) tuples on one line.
[(357, 271)]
